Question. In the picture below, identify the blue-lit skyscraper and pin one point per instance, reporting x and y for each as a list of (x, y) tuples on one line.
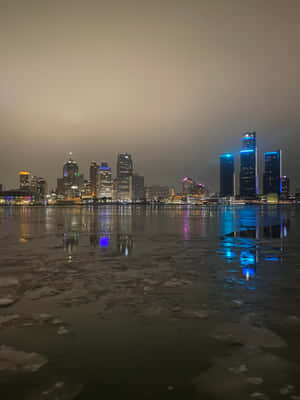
[(249, 140), (248, 166), (226, 175), (272, 172)]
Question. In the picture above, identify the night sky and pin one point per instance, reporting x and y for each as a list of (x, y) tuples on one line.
[(174, 83)]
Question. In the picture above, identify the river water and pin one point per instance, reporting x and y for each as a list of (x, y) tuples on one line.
[(150, 302)]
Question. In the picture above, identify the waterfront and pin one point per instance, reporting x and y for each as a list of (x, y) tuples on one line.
[(150, 302)]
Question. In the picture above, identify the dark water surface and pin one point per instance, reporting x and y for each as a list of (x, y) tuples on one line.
[(150, 303)]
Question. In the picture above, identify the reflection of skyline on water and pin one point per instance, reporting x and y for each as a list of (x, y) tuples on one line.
[(108, 230), (251, 235), (246, 232)]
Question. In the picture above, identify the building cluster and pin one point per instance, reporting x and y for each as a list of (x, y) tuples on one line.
[(126, 187), (32, 189), (100, 187), (236, 184), (275, 185), (192, 193)]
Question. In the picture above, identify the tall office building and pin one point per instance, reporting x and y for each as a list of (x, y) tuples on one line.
[(71, 170), (93, 177), (71, 182), (138, 187), (227, 175), (248, 166), (272, 172), (24, 177), (39, 187), (285, 187), (104, 182), (249, 140), (124, 177)]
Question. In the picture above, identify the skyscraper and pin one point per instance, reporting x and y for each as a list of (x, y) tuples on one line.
[(71, 182), (104, 182), (138, 188), (285, 187), (124, 177), (70, 170), (226, 175), (39, 187), (248, 166), (24, 179), (93, 177), (272, 172), (249, 140)]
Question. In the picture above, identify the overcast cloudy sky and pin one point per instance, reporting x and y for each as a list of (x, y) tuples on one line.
[(174, 83)]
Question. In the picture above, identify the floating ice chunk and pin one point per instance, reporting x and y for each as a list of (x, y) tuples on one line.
[(57, 321), (286, 390), (62, 330), (4, 319), (7, 281), (239, 370), (237, 303), (258, 395), (7, 301), (59, 391), (255, 380), (14, 360)]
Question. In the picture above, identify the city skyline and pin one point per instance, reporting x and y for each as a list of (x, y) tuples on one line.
[(237, 156), (214, 186), (172, 83)]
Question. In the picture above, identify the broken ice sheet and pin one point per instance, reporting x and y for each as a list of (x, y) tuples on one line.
[(16, 360), (61, 390)]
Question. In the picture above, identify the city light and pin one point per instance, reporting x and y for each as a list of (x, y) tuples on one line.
[(227, 155)]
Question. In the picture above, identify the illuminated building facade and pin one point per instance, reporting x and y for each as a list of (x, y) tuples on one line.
[(93, 177), (16, 197), (285, 187), (86, 190), (124, 177), (157, 192), (248, 166), (187, 185), (72, 182), (104, 182), (24, 177), (272, 172), (71, 169), (226, 175)]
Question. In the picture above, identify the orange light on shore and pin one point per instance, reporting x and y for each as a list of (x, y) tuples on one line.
[(24, 173)]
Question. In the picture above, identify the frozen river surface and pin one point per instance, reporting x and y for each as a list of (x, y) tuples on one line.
[(150, 303)]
